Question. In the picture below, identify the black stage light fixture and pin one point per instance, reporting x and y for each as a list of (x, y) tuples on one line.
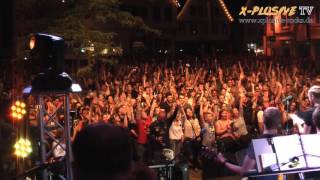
[(48, 53)]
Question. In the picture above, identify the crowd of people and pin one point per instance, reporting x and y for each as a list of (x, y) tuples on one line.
[(181, 105)]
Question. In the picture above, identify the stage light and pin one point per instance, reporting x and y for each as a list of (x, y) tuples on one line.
[(48, 54), (13, 108), (32, 42), (18, 110), (22, 148), (22, 104)]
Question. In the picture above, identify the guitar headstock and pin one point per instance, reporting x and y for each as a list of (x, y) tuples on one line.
[(208, 153)]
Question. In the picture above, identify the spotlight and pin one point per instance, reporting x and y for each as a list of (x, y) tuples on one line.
[(32, 42), (22, 148), (47, 52), (18, 110)]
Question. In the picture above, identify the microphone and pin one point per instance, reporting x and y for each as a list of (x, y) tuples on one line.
[(288, 98)]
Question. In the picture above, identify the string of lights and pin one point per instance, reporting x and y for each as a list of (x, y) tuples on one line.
[(226, 11)]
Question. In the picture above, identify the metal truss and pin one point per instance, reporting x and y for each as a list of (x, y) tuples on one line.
[(47, 131)]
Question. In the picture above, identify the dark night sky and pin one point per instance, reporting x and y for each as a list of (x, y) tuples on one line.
[(6, 28)]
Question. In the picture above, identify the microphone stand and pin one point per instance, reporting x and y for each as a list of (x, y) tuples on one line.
[(287, 111), (270, 141), (301, 175)]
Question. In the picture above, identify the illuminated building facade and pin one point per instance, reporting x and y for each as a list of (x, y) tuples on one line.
[(195, 26), (295, 40)]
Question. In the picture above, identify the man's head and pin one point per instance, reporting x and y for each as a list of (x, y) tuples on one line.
[(122, 109), (162, 114), (314, 94), (209, 117), (316, 118), (106, 117), (271, 118), (96, 152), (182, 98), (170, 98)]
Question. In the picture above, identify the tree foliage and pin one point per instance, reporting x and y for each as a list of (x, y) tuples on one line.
[(88, 26), (90, 22)]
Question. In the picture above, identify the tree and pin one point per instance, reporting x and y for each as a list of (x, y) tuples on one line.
[(86, 25)]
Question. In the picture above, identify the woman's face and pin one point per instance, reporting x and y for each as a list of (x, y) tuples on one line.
[(110, 99), (94, 119), (221, 98), (123, 96), (293, 106), (224, 86), (189, 113), (117, 120), (224, 107), (223, 92), (235, 112), (129, 87), (106, 117)]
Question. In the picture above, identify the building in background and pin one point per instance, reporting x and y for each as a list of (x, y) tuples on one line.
[(194, 26), (157, 14), (293, 40), (203, 28)]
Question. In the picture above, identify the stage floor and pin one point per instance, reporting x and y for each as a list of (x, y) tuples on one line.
[(196, 175)]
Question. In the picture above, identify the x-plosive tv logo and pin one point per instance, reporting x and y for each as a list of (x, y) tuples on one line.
[(276, 10), (281, 14)]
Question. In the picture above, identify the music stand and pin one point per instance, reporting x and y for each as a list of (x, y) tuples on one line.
[(286, 155)]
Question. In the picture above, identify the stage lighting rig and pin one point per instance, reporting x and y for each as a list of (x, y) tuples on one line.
[(47, 51), (18, 110), (22, 148)]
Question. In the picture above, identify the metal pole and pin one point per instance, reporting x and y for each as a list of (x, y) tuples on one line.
[(42, 139), (69, 174)]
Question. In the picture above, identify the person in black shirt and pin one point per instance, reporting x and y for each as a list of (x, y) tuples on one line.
[(271, 120), (159, 132), (314, 97), (316, 118)]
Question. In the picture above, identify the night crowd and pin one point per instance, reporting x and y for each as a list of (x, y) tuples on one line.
[(182, 105)]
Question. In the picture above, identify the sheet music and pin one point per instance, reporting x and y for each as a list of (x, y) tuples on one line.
[(268, 159), (286, 148), (260, 146), (311, 144)]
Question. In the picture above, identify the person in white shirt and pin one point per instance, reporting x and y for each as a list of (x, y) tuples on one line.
[(176, 137), (59, 150), (240, 129), (192, 138)]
